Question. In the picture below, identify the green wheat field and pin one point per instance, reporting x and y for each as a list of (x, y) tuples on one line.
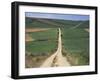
[(41, 40)]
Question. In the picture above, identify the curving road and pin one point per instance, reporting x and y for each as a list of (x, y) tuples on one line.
[(57, 58)]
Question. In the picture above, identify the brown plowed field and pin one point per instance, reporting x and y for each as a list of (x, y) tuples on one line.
[(35, 29)]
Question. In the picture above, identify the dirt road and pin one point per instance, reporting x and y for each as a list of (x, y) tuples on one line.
[(56, 59)]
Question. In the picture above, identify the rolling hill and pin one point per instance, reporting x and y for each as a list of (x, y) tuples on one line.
[(53, 23)]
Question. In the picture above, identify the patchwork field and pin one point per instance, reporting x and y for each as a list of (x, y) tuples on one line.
[(43, 41), (44, 44)]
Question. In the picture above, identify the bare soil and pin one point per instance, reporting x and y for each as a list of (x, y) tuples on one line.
[(35, 29), (28, 38), (87, 29)]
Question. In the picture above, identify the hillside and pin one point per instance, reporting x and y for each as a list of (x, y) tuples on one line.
[(53, 23), (43, 42)]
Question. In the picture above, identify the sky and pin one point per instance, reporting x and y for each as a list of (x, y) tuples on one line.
[(57, 16)]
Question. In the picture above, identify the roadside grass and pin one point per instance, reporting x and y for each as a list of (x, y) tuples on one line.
[(76, 46), (34, 61)]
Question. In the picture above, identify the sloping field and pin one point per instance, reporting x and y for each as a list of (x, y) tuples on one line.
[(53, 23), (43, 45), (44, 42), (76, 46)]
